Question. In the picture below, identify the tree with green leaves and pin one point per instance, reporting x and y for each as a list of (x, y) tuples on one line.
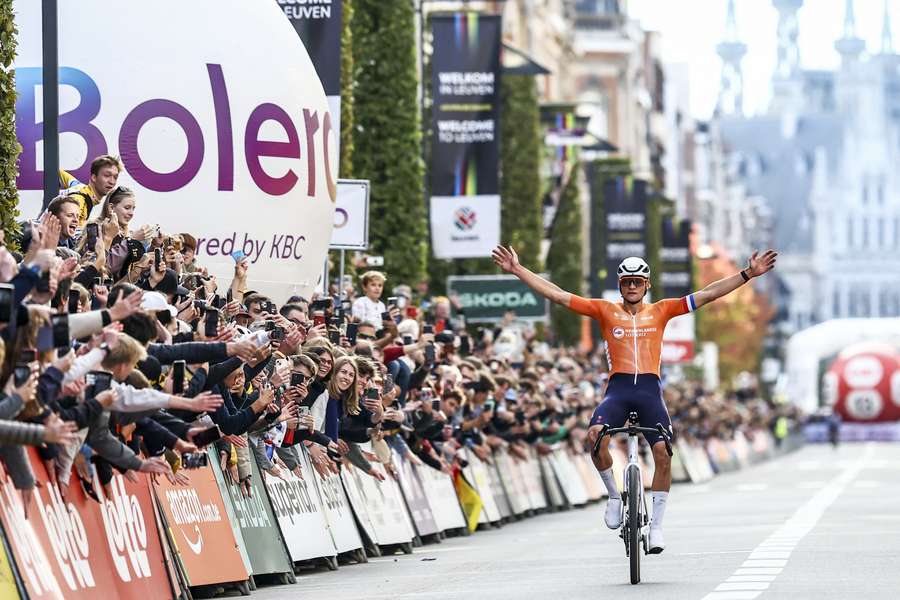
[(346, 167), (520, 161), (386, 134), (564, 258), (9, 146)]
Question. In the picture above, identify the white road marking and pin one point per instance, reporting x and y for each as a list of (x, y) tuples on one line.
[(740, 578), (765, 558), (751, 487)]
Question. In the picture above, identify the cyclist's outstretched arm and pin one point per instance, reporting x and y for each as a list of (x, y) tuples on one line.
[(508, 260), (759, 265)]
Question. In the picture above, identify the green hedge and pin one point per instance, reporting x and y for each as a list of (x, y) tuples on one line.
[(564, 259), (346, 168), (386, 134), (9, 146)]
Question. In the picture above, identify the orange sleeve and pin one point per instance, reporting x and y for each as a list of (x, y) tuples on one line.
[(586, 306), (673, 307)]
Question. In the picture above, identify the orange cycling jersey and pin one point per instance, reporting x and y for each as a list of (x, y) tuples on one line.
[(633, 342)]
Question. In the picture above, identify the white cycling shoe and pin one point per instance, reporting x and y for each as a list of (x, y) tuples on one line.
[(657, 544), (614, 513)]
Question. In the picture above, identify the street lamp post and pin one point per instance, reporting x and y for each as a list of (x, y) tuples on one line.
[(50, 80)]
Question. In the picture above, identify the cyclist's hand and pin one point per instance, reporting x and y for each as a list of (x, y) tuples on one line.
[(760, 265), (505, 258)]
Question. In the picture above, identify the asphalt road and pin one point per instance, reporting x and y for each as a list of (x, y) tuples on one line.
[(819, 523)]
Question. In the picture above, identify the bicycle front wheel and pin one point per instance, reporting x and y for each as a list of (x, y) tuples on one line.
[(635, 493)]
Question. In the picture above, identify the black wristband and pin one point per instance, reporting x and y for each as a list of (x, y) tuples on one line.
[(107, 319), (744, 275)]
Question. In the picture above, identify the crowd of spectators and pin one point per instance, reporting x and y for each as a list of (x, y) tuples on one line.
[(121, 353)]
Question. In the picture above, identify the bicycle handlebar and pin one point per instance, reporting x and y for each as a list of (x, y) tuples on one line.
[(634, 430)]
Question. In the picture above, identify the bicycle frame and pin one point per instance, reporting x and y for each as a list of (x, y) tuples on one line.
[(634, 485)]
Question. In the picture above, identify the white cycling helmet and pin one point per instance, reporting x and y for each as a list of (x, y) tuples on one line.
[(633, 266)]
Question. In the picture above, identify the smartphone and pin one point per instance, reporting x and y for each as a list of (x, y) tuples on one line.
[(318, 318), (60, 328), (372, 393), (387, 384), (335, 321), (27, 355), (74, 301), (21, 373), (303, 410), (489, 405), (200, 292), (429, 353), (346, 306), (334, 336), (385, 316), (237, 255), (464, 347), (91, 233), (178, 377), (97, 382), (218, 301), (200, 305), (157, 258), (352, 329), (428, 329), (297, 379), (320, 305), (207, 436), (6, 302), (194, 460), (43, 284), (436, 404), (392, 301), (44, 339), (408, 340), (276, 333), (229, 296), (425, 394), (211, 329)]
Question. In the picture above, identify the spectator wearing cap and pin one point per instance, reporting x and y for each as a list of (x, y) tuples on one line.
[(369, 307)]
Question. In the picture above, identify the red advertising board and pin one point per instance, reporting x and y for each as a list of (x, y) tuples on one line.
[(201, 533), (79, 548)]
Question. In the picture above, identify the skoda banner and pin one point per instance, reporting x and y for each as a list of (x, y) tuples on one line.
[(465, 87), (217, 137), (626, 217), (318, 23), (675, 257), (487, 298)]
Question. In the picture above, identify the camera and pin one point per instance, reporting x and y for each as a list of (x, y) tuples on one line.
[(374, 261), (194, 460)]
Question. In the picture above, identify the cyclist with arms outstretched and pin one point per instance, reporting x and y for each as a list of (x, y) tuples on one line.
[(633, 332)]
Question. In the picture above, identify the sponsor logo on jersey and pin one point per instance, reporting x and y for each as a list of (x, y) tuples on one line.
[(618, 332)]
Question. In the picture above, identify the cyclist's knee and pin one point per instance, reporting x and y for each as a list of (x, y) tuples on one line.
[(661, 458)]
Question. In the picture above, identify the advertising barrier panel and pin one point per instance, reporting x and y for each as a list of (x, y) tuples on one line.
[(568, 478), (338, 513), (256, 523), (385, 506), (442, 499), (300, 515), (77, 548), (414, 494), (477, 476), (200, 531)]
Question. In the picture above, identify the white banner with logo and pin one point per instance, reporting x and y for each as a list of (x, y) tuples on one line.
[(464, 226), (351, 215), (678, 340), (441, 497), (338, 513), (218, 139)]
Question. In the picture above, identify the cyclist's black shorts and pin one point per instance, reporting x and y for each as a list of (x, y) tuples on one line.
[(624, 395)]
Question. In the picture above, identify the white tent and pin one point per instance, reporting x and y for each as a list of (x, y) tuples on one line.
[(807, 348)]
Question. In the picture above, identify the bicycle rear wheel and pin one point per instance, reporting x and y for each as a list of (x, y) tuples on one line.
[(635, 491)]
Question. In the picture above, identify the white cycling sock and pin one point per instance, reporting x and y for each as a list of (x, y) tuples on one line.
[(659, 508), (609, 480)]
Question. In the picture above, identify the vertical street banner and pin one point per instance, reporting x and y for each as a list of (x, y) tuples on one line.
[(465, 88), (318, 23), (626, 218), (676, 279)]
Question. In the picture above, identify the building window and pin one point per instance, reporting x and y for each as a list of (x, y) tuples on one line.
[(865, 232), (881, 232), (850, 236)]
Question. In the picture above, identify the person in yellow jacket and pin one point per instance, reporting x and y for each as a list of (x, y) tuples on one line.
[(105, 171)]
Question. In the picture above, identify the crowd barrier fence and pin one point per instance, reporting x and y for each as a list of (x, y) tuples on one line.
[(153, 539)]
